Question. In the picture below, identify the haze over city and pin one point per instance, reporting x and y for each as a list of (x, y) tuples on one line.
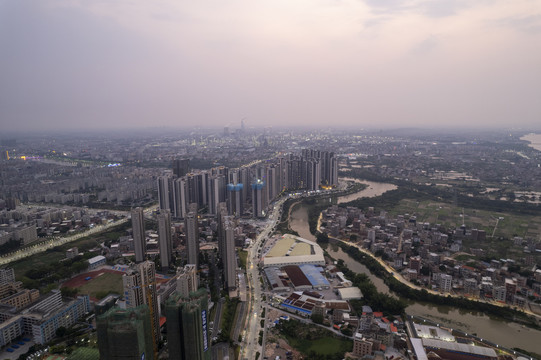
[(105, 65), (257, 180)]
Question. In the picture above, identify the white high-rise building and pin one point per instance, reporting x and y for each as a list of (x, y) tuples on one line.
[(230, 260), (226, 245), (446, 282), (139, 284), (187, 280), (180, 198), (165, 192), (257, 199), (164, 235), (191, 229), (138, 229)]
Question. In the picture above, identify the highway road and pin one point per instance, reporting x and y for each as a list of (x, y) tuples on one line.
[(250, 345), (57, 241)]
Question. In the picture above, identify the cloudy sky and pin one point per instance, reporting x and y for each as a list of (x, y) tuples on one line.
[(173, 63)]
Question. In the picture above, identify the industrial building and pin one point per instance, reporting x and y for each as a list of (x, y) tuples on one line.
[(303, 303), (432, 332), (278, 280), (456, 351), (306, 276), (350, 293), (294, 250)]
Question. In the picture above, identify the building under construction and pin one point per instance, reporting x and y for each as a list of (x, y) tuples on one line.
[(125, 334), (187, 334)]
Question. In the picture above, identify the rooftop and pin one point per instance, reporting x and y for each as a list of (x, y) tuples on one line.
[(350, 293), (433, 332), (461, 348), (290, 250), (96, 259)]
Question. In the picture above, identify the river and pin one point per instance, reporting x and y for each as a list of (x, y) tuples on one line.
[(508, 334), (372, 189), (534, 139)]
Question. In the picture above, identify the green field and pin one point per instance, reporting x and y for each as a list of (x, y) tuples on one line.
[(243, 256), (58, 253), (451, 217), (102, 285), (504, 226), (84, 353), (313, 340), (323, 346)]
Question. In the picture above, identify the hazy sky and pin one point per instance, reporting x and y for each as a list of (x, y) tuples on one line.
[(139, 63)]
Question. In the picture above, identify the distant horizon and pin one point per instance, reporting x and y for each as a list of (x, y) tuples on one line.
[(219, 131)]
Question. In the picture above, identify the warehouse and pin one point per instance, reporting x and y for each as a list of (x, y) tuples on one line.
[(293, 250)]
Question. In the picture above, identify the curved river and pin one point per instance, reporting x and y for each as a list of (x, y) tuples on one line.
[(508, 334)]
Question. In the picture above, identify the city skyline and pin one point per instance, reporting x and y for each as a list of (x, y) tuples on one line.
[(80, 65)]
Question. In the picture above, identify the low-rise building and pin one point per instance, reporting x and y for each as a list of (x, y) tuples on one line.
[(21, 298), (96, 262), (361, 346)]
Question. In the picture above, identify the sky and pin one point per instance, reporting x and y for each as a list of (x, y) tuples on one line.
[(104, 64)]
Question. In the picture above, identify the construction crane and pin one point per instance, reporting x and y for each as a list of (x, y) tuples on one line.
[(155, 327)]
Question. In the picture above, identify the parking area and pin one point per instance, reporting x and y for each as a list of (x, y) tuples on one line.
[(16, 349)]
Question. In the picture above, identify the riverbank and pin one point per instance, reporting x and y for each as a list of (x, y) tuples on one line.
[(404, 288), (509, 334)]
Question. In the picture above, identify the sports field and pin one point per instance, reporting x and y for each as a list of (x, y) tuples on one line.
[(103, 282)]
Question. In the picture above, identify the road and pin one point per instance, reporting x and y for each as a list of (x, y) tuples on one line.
[(239, 320), (57, 241), (250, 345)]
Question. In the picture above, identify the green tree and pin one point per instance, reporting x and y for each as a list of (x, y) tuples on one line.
[(68, 292), (61, 331), (322, 238), (317, 318)]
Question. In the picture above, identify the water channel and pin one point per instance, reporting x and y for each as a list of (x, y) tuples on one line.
[(508, 334)]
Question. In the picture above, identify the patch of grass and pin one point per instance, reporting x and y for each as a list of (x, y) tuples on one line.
[(312, 340), (464, 257), (103, 285), (243, 256), (54, 255), (36, 261), (323, 346), (84, 353), (448, 215)]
